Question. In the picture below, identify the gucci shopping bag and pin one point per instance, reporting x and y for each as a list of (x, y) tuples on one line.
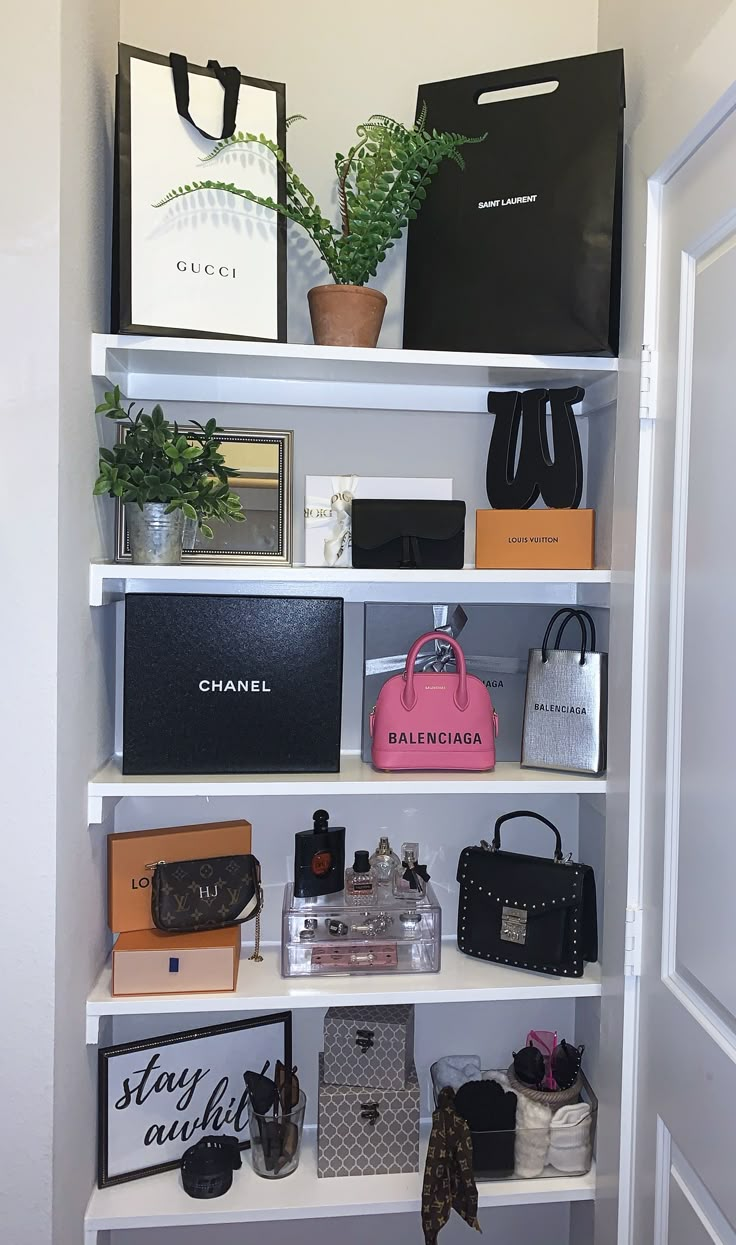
[(520, 252), (208, 264)]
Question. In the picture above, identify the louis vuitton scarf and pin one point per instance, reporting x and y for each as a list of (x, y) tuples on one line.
[(448, 1175)]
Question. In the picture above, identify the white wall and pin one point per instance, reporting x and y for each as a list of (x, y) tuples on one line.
[(85, 650), (658, 37), (55, 99), (341, 63), (29, 395)]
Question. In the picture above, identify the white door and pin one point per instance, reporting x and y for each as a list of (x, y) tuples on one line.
[(684, 1160)]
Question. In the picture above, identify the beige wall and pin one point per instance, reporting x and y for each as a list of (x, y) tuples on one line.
[(341, 63), (658, 37)]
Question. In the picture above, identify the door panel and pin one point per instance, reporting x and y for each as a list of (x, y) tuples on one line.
[(705, 924), (686, 1124)]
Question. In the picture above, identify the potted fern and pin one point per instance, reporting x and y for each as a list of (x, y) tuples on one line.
[(165, 478), (381, 185)]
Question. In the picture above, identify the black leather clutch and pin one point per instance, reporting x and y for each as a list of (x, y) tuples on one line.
[(427, 535), (527, 911)]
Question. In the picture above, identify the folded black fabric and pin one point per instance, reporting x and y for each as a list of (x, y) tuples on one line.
[(408, 534), (490, 1113)]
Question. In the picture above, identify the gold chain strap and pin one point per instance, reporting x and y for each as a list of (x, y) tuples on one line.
[(257, 948)]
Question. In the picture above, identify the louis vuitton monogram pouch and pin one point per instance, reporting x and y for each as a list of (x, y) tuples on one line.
[(188, 896)]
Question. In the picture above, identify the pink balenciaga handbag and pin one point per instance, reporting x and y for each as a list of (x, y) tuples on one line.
[(424, 720)]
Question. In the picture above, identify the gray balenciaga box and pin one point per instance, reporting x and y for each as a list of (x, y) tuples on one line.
[(366, 1131), (369, 1046)]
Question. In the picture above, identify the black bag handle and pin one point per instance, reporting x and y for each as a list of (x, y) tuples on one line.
[(496, 844), (582, 617), (229, 78), (581, 614)]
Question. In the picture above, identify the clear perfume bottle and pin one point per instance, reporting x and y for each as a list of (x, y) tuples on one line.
[(384, 863), (410, 879), (360, 881)]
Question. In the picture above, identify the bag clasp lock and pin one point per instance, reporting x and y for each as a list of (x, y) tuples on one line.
[(513, 925)]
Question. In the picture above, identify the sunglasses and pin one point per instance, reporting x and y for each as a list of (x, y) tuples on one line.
[(271, 1100), (278, 1095), (545, 1064)]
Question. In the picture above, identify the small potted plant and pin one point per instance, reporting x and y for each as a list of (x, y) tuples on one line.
[(164, 477), (381, 184)]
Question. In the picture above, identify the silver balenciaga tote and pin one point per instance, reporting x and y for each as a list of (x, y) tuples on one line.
[(565, 709)]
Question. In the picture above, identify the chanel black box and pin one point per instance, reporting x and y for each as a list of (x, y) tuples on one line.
[(231, 685)]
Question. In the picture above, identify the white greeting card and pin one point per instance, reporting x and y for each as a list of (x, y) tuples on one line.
[(328, 505)]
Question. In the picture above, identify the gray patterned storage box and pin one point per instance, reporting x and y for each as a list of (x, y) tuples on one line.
[(369, 1046), (367, 1131)]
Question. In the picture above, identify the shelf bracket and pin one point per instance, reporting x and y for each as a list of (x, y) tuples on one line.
[(92, 1033), (98, 807), (633, 941)]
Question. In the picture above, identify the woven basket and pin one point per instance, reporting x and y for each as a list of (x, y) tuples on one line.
[(551, 1098)]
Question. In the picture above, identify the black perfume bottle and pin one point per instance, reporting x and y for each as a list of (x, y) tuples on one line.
[(319, 858)]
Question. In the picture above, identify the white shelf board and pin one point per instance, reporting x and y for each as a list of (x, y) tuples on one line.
[(160, 1201), (355, 777), (283, 374), (261, 988), (111, 581)]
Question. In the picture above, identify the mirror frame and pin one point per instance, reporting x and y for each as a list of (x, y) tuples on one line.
[(282, 555)]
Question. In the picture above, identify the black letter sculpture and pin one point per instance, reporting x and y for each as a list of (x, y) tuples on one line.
[(520, 427)]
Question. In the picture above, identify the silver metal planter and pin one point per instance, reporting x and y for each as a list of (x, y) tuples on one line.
[(190, 533), (155, 536)]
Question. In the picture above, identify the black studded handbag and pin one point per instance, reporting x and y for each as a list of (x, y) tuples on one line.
[(527, 911)]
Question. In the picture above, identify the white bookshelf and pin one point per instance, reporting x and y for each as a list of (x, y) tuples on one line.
[(160, 1201), (261, 988), (181, 369)]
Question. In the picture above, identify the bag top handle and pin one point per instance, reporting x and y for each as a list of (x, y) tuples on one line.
[(496, 843), (229, 78), (409, 695), (582, 617)]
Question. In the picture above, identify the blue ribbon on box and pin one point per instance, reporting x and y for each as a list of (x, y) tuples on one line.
[(438, 655)]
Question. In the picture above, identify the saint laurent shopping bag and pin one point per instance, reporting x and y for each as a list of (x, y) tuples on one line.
[(208, 264), (520, 252)]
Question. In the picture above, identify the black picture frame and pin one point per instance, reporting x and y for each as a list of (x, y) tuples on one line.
[(105, 1062), (209, 553), (121, 313)]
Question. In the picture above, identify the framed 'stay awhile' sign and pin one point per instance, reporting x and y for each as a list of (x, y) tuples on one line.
[(159, 1096)]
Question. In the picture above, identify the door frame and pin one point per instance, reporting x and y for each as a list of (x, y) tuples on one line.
[(670, 131)]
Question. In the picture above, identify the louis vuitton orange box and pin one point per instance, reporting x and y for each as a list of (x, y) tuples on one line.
[(146, 961), (535, 540), (128, 879)]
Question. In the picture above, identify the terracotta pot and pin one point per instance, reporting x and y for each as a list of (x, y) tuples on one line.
[(346, 315)]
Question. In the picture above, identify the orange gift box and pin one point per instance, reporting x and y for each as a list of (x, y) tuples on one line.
[(129, 881), (536, 540), (147, 961)]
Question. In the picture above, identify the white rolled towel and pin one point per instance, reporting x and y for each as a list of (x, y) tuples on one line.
[(533, 1121), (455, 1070), (570, 1138)]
